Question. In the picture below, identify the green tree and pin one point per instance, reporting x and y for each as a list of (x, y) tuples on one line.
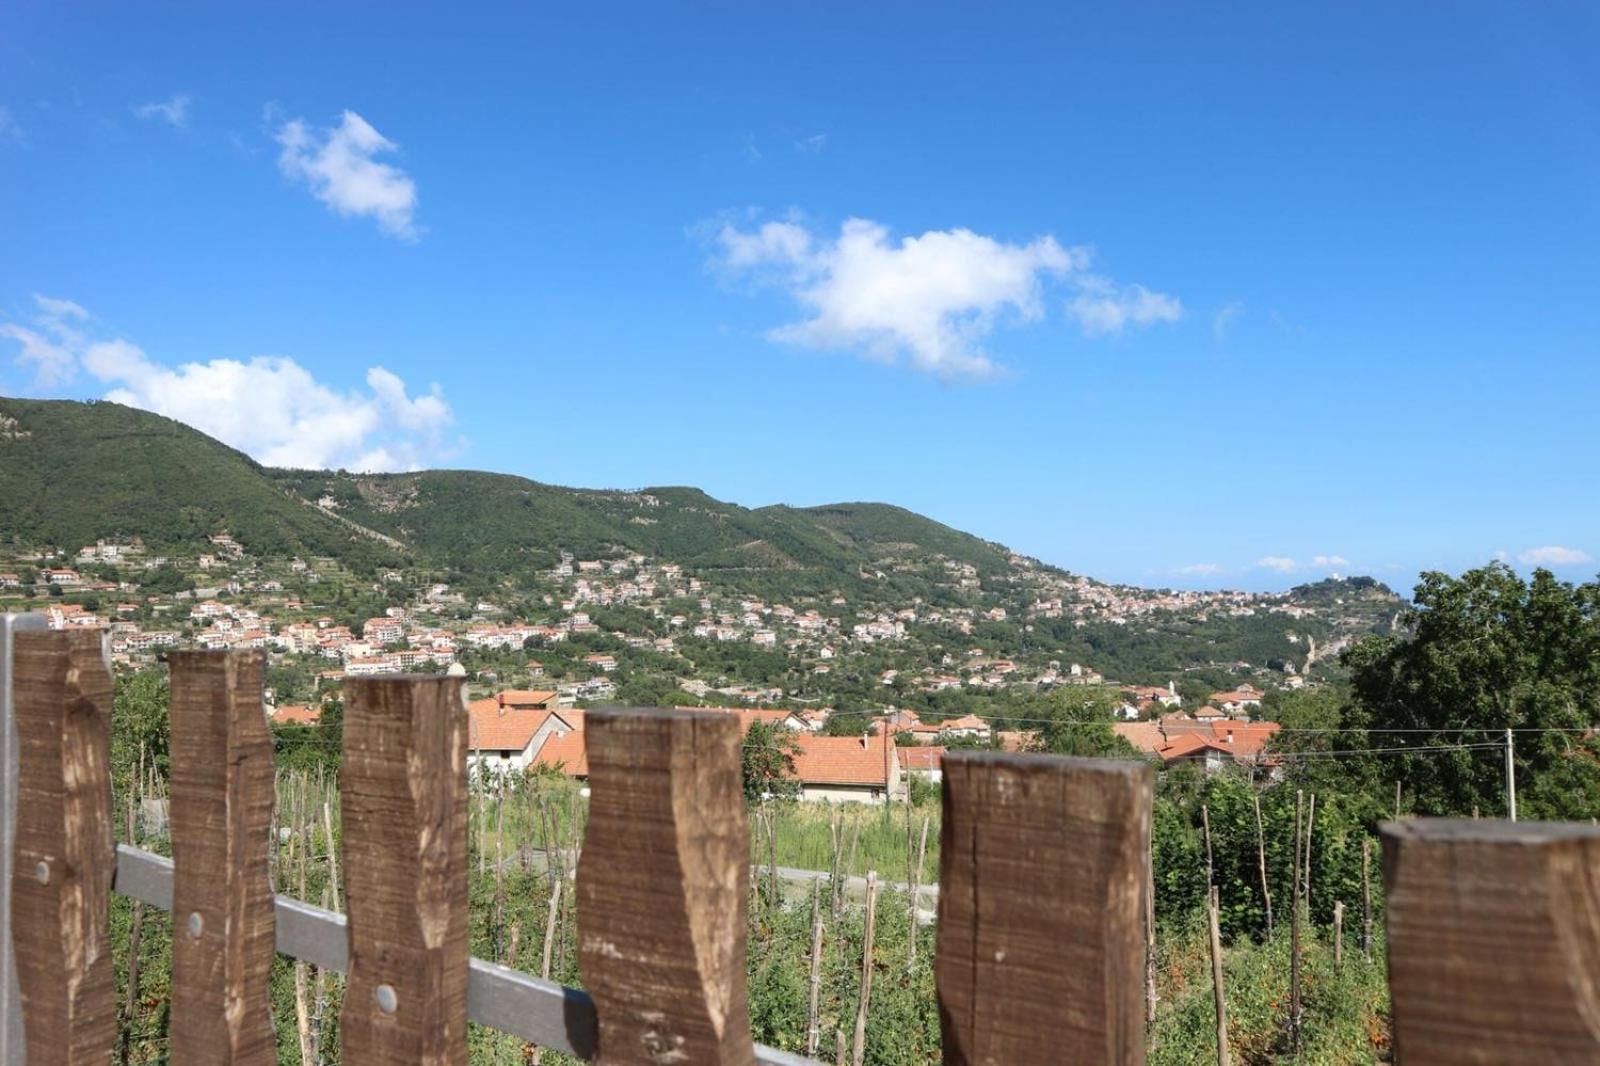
[(1489, 651), (767, 759)]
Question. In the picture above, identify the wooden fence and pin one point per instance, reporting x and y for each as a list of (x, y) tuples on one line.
[(1494, 928)]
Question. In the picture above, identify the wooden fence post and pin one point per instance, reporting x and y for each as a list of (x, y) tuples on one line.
[(221, 815), (1494, 940), (661, 889), (403, 800), (1021, 982), (64, 854), (11, 1042)]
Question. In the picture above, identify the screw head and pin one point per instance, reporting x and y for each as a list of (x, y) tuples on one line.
[(41, 873), (388, 1002), (196, 925)]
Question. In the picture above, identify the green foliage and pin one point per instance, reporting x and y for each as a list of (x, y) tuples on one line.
[(1489, 651), (767, 762), (87, 471)]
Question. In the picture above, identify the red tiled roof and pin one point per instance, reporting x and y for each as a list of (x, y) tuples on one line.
[(296, 714), (921, 757), (842, 760), (534, 698), (570, 751), (492, 727)]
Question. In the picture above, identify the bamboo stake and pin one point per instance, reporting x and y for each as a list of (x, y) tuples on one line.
[(866, 969), (1151, 959), (1294, 935), (1261, 859), (772, 858), (1338, 933), (302, 1006), (1216, 978), (333, 853), (1311, 820), (836, 832), (1205, 822), (916, 897), (813, 1018), (1366, 899), (130, 1006)]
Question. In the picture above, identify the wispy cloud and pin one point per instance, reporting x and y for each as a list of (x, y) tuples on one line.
[(173, 111), (1281, 563), (1200, 569), (1223, 320), (1323, 562), (812, 144), (48, 339), (268, 406), (10, 129), (930, 299), (1103, 307), (339, 166), (1554, 555)]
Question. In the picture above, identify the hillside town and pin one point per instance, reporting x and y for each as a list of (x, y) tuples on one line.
[(595, 628)]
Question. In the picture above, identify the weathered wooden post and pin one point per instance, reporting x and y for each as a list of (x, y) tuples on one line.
[(222, 799), (403, 814), (661, 888), (11, 1036), (1021, 982), (1494, 940), (64, 854)]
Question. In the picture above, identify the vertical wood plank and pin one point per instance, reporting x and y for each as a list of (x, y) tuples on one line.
[(1494, 941), (1043, 863), (403, 799), (63, 857), (221, 804), (11, 1042), (661, 889)]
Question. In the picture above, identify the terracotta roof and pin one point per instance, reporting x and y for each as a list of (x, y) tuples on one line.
[(1185, 738), (526, 697), (1240, 695), (296, 714), (495, 728), (969, 721), (921, 757), (568, 750), (842, 760)]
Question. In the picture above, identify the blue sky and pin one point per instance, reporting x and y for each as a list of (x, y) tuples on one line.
[(1225, 296)]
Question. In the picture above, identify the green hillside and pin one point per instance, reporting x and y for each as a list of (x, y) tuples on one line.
[(72, 473)]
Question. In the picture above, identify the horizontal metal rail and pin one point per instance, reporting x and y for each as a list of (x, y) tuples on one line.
[(540, 1012)]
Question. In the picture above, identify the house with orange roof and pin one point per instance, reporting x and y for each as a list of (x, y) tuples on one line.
[(296, 714), (861, 769), (1241, 700), (925, 761), (1175, 740), (507, 730)]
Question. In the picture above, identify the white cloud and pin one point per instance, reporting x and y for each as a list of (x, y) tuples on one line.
[(174, 111), (1554, 555), (1326, 561), (339, 167), (9, 129), (931, 299), (1281, 564), (1103, 307), (50, 340), (812, 144), (1223, 320), (1200, 569), (270, 407)]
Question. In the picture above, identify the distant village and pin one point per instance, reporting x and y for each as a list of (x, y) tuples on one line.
[(238, 601)]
